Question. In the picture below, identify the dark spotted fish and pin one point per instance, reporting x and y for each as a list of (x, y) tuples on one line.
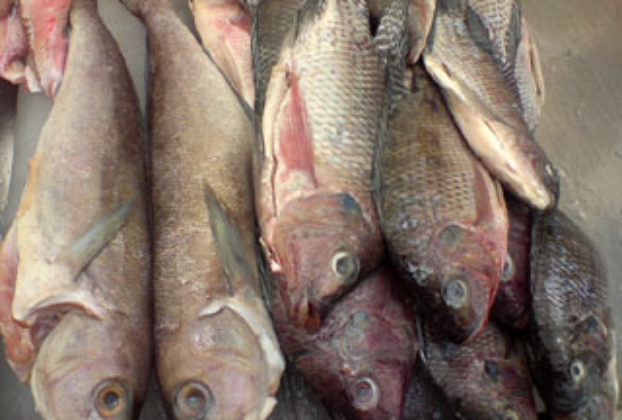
[(572, 340)]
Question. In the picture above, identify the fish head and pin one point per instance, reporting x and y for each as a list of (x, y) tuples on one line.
[(323, 243), (462, 280), (87, 369), (214, 369), (585, 380)]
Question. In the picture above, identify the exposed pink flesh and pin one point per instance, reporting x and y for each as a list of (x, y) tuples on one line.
[(17, 340), (46, 22), (13, 47)]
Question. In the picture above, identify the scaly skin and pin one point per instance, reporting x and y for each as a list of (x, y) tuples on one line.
[(80, 316), (319, 130), (573, 355), (213, 333)]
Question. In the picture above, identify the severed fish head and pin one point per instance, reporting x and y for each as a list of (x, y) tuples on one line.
[(88, 369), (322, 242), (460, 281)]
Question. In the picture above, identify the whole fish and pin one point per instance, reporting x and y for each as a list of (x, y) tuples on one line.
[(572, 340), (225, 29), (443, 216), (320, 123), (501, 29), (485, 379), (297, 401), (511, 305), (46, 23), (74, 265), (485, 108), (216, 353), (424, 399), (273, 20), (361, 359)]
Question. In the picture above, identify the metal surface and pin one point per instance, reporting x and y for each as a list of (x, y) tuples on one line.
[(581, 130)]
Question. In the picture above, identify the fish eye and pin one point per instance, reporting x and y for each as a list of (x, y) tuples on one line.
[(577, 371), (508, 270), (366, 394), (510, 414), (345, 265), (455, 292), (111, 398), (193, 401)]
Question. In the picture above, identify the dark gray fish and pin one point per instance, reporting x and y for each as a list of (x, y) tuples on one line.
[(572, 341), (424, 399), (486, 379)]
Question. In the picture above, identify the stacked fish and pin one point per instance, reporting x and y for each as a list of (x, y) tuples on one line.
[(354, 183)]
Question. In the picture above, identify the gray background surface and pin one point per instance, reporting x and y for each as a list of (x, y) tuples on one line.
[(580, 45)]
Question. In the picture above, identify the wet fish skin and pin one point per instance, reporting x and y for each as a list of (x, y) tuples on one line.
[(213, 333), (571, 334), (46, 23), (424, 399), (508, 37), (362, 357), (225, 30), (76, 258), (513, 299), (487, 378), (486, 109), (319, 130), (443, 216), (13, 43)]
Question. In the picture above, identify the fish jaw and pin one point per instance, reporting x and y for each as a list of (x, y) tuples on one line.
[(46, 22), (74, 369), (323, 244), (224, 27), (220, 355)]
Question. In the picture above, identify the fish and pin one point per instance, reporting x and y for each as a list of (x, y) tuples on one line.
[(443, 217), (507, 36), (319, 228), (485, 108), (424, 400), (272, 22), (14, 47), (217, 355), (485, 379), (225, 30), (512, 302), (361, 358), (46, 23), (75, 263), (571, 335), (297, 401)]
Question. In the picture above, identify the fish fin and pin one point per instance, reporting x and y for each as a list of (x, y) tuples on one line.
[(226, 237), (479, 31), (81, 251)]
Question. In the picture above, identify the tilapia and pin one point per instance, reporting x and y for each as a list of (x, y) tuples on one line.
[(511, 305), (485, 379), (225, 29), (424, 399), (297, 401), (46, 26), (485, 108), (74, 265), (500, 29), (320, 123), (216, 353), (443, 217), (572, 340), (361, 359)]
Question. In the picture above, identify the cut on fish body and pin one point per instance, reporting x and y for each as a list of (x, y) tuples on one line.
[(485, 108), (75, 261), (571, 336), (319, 127), (214, 338), (443, 217)]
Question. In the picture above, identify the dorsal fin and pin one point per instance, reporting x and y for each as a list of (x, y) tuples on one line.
[(227, 239)]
